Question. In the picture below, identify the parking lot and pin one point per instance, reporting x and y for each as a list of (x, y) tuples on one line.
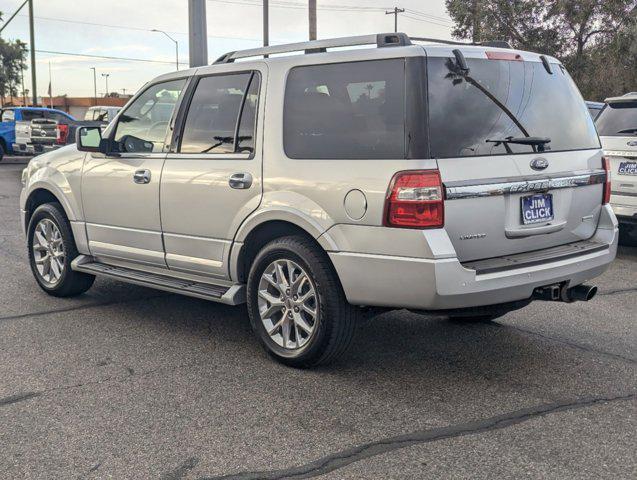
[(127, 382)]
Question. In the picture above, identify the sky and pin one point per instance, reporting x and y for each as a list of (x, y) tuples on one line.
[(122, 28)]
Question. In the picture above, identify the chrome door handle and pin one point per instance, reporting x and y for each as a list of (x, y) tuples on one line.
[(240, 181), (141, 176)]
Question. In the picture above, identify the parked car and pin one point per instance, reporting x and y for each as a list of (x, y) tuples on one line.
[(398, 176), (594, 108), (101, 113), (617, 127)]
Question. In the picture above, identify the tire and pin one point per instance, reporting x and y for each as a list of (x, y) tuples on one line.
[(69, 283), (2, 151), (628, 235), (332, 326)]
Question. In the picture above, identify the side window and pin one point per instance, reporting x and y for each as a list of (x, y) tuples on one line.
[(143, 126), (218, 103), (58, 117), (346, 110), (8, 116)]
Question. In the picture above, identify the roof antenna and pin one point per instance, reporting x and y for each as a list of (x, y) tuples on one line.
[(460, 60), (547, 65)]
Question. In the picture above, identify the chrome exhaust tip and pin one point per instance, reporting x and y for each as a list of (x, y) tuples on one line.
[(582, 293)]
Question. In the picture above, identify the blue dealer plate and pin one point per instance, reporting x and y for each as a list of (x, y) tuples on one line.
[(537, 208), (627, 168)]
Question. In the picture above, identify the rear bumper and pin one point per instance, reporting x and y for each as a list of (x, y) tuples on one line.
[(440, 284)]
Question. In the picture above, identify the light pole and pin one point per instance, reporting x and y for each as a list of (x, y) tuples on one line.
[(106, 75), (176, 46), (94, 86)]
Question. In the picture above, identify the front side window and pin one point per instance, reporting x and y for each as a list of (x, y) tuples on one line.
[(143, 126), (8, 116), (618, 119), (346, 111), (219, 102), (493, 107)]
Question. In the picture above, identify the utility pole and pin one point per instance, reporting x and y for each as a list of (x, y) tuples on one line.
[(395, 13), (312, 18), (94, 86), (266, 23), (24, 96), (106, 75), (197, 33), (32, 47)]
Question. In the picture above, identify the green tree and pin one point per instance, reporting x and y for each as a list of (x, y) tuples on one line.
[(12, 61), (591, 37)]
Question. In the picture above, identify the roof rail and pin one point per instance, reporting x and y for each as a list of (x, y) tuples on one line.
[(381, 40), (489, 43)]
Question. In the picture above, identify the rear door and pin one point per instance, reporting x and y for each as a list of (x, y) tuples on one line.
[(504, 197)]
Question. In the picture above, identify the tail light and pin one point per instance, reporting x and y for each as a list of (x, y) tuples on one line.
[(415, 200), (61, 133), (607, 189)]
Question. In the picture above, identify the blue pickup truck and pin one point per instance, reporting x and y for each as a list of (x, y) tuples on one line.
[(11, 115)]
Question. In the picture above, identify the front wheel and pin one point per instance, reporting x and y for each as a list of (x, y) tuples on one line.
[(51, 251), (296, 304)]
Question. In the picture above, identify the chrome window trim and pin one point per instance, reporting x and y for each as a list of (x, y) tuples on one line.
[(506, 186)]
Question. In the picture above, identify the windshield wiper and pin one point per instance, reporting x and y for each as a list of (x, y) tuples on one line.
[(628, 130), (534, 142)]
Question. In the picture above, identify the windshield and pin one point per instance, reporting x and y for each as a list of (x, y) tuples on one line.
[(508, 101), (618, 119)]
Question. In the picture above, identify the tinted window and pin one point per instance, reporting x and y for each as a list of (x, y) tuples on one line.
[(28, 115), (211, 123), (618, 119), (465, 121), (8, 116), (346, 110), (146, 120), (58, 117)]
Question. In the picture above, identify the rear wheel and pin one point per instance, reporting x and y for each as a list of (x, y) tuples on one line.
[(296, 304), (2, 151), (628, 235), (51, 251)]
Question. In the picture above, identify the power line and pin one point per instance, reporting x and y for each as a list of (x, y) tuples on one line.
[(108, 57)]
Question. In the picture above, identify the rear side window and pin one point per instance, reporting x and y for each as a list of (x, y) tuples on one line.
[(618, 119), (222, 113), (28, 115), (346, 111), (498, 99), (58, 117)]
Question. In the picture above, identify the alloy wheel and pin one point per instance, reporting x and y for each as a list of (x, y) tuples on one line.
[(48, 251)]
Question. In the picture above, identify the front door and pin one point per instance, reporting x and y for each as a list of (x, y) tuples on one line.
[(120, 194), (212, 181)]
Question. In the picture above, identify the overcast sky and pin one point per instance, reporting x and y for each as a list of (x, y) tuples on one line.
[(121, 28)]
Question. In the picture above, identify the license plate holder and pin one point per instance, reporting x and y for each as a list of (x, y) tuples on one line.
[(536, 208), (627, 168)]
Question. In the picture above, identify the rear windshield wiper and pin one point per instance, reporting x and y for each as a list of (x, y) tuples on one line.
[(628, 130), (538, 142)]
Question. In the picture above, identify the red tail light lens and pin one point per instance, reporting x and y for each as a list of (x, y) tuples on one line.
[(607, 189), (415, 200), (62, 133)]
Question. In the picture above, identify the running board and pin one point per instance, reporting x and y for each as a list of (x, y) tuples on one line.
[(230, 295)]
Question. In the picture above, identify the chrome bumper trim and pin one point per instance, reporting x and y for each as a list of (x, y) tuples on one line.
[(506, 186)]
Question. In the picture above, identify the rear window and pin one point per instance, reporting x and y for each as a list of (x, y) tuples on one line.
[(28, 115), (346, 111), (468, 111), (618, 119)]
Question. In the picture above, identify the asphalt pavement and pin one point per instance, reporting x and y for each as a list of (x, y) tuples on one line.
[(125, 382)]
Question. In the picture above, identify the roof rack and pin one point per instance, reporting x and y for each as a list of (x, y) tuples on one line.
[(381, 40)]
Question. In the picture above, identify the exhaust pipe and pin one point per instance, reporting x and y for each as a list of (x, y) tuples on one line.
[(561, 293)]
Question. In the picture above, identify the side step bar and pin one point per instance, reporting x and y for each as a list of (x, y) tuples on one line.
[(229, 295)]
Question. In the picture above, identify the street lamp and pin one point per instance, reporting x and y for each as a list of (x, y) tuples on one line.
[(176, 46), (106, 75), (94, 86)]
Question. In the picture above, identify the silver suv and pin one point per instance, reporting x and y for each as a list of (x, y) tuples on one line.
[(464, 180)]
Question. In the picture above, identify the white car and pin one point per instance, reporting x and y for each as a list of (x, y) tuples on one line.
[(617, 127)]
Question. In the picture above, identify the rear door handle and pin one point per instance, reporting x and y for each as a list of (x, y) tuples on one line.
[(141, 176), (240, 181)]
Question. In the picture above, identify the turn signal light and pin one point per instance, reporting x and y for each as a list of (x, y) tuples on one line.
[(61, 133), (415, 200), (607, 189)]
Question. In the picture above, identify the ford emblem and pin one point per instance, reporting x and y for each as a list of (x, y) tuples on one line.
[(632, 143), (539, 163)]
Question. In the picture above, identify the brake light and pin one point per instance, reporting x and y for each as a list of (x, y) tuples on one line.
[(61, 133), (607, 185), (415, 200), (516, 57)]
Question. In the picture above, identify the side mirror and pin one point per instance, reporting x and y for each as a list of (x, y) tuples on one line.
[(88, 139)]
